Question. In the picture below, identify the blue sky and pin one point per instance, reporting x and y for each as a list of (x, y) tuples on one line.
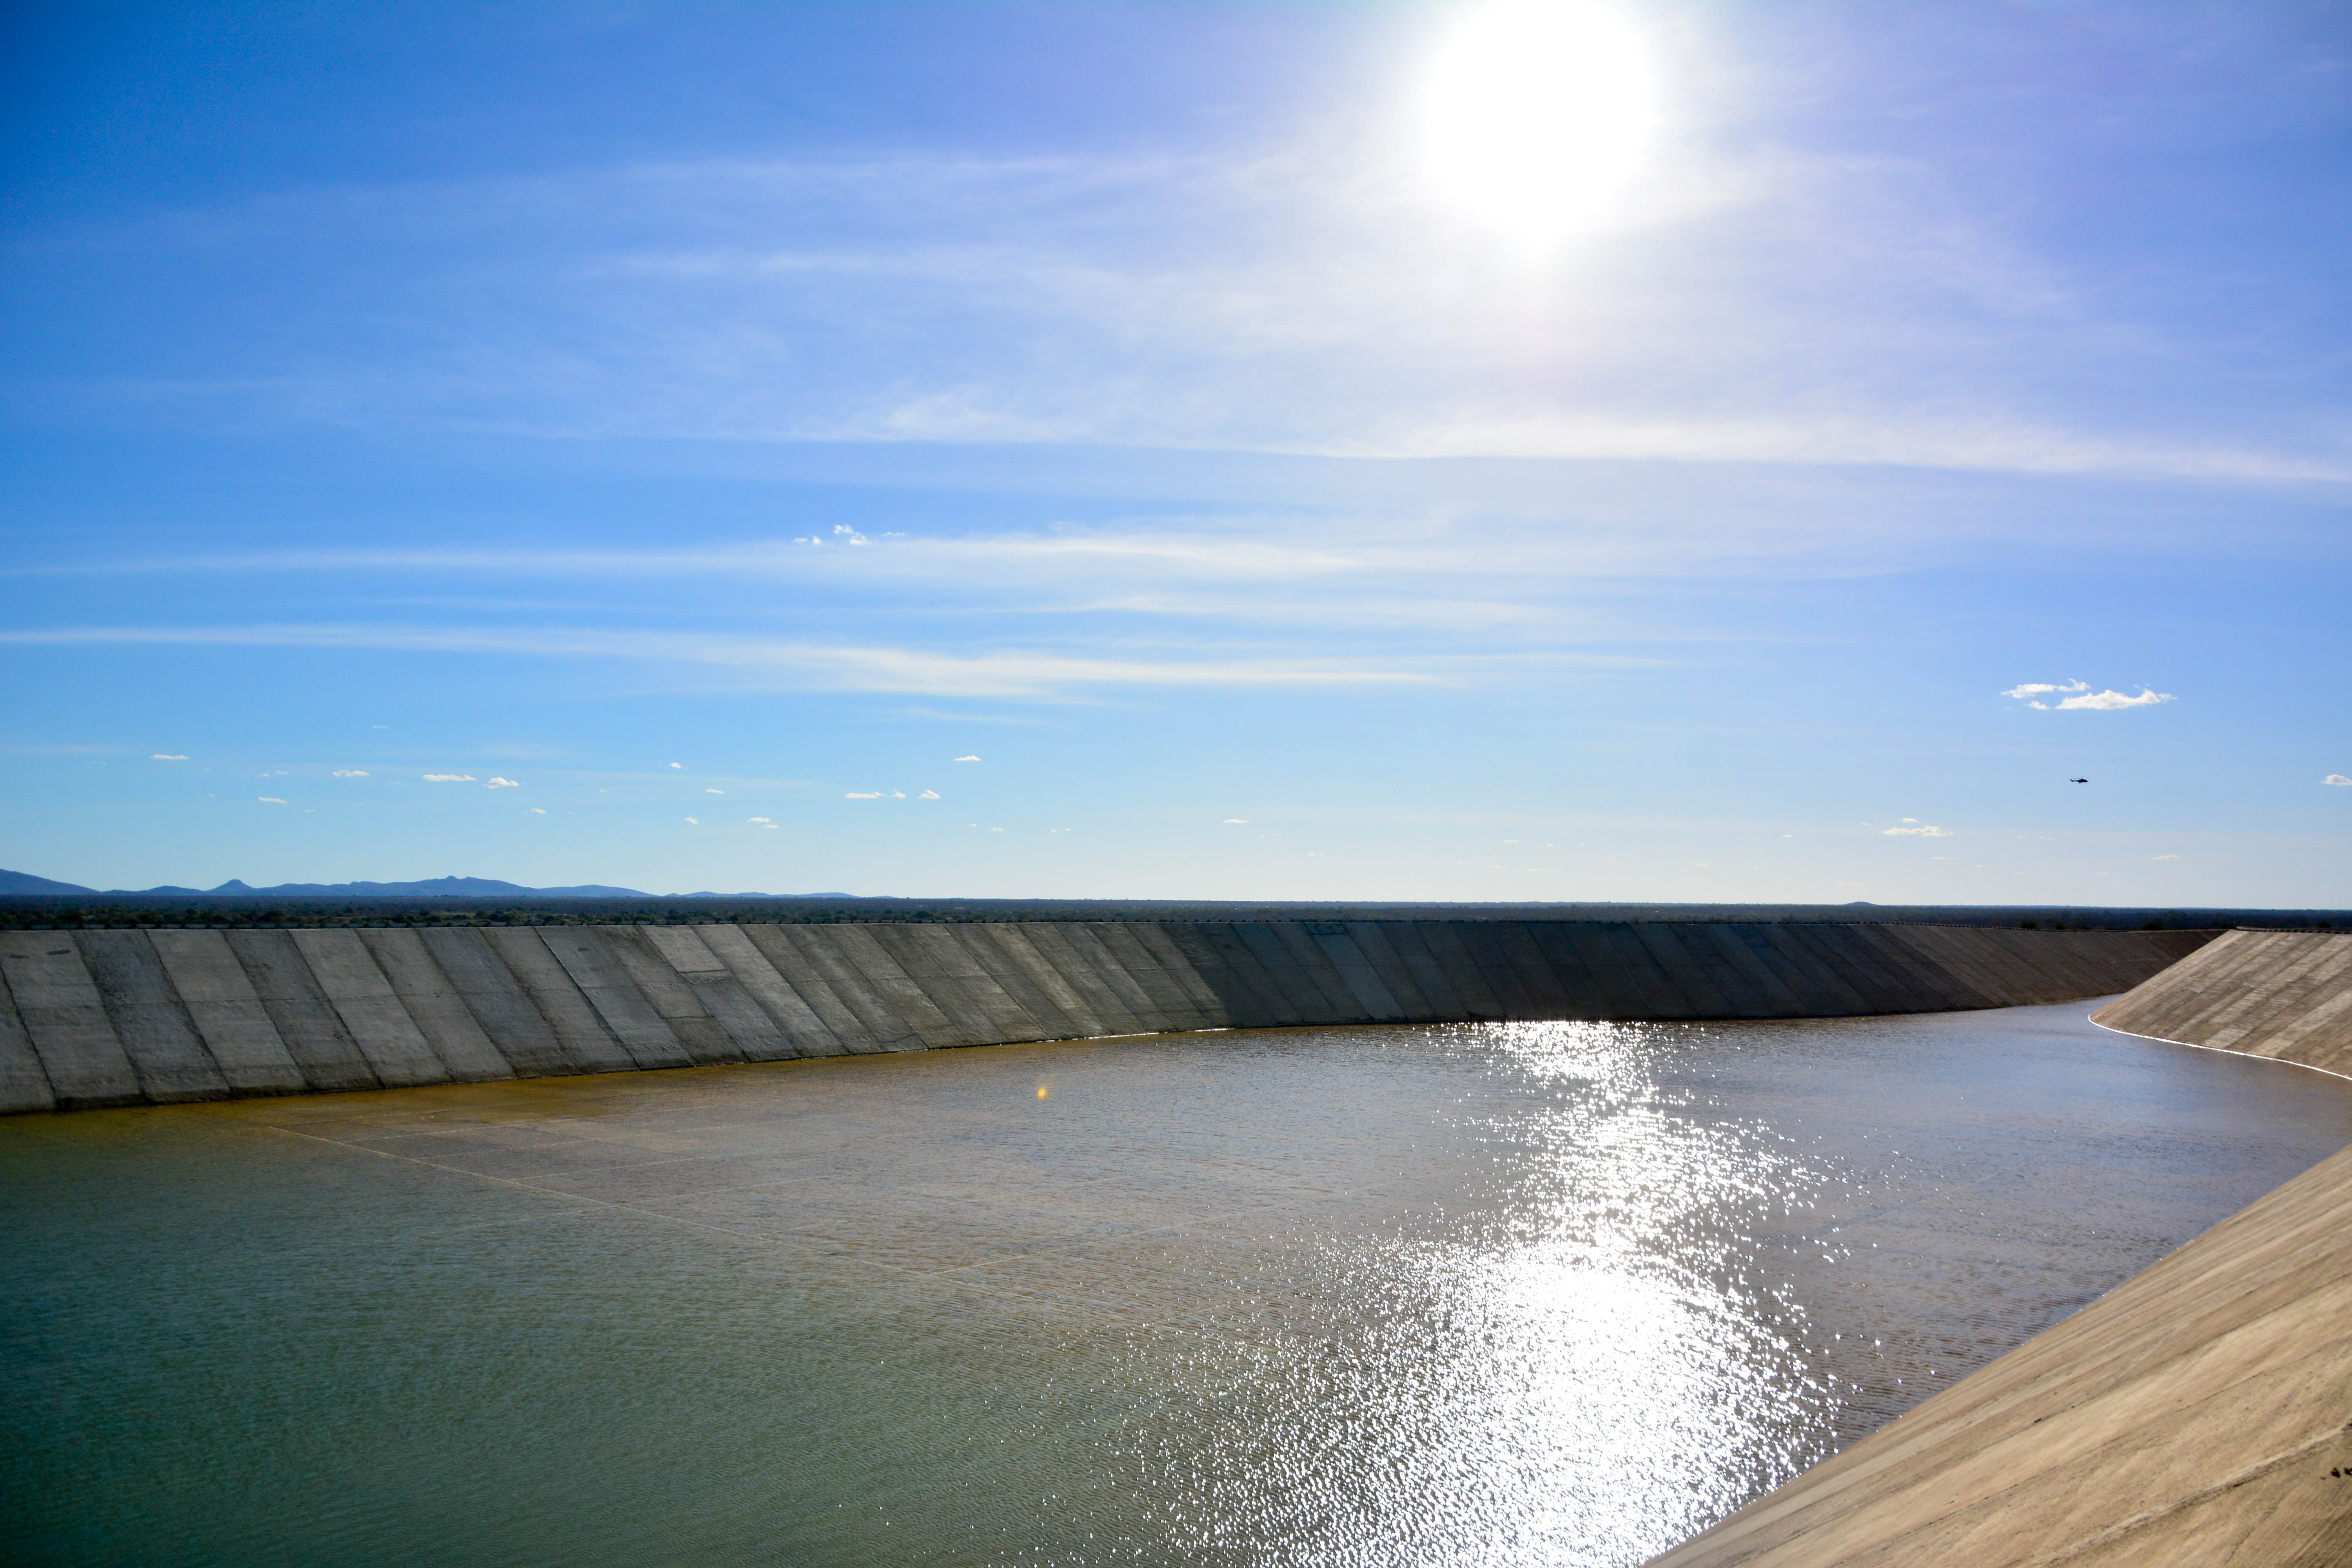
[(719, 420)]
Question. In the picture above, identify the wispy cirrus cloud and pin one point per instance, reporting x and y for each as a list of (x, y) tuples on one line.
[(1753, 306), (1104, 301), (1008, 673), (1843, 440), (1113, 558)]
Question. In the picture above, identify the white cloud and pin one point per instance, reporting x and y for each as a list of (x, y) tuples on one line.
[(449, 778), (2335, 779), (897, 794), (350, 773), (2084, 697), (271, 800), (169, 757), (863, 795), (755, 819), (536, 810), (678, 764), (929, 795), (714, 791), (967, 759), (1235, 822), (1927, 832), (2165, 856), (497, 783), (2107, 700), (695, 820)]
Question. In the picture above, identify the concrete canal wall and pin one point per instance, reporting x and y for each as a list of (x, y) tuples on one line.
[(118, 1017), (2201, 1412), (2283, 995)]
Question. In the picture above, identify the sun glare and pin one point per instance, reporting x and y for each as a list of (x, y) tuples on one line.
[(1537, 115)]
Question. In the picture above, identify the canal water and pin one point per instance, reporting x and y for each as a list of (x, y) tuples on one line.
[(1534, 1293)]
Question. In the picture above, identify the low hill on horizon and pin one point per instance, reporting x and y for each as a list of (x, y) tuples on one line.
[(22, 882)]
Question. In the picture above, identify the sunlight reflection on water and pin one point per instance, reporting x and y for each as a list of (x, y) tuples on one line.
[(1525, 1293), (1570, 1375)]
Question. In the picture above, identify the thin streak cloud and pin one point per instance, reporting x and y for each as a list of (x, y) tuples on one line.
[(805, 665)]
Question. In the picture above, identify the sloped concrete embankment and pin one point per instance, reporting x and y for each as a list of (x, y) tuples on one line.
[(115, 1017), (2283, 995), (2201, 1412)]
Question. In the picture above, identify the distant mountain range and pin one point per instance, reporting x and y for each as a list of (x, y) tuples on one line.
[(21, 882)]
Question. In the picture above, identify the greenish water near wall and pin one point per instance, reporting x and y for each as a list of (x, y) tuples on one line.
[(1409, 1294)]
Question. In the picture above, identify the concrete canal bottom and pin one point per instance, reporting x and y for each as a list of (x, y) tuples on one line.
[(1410, 1294)]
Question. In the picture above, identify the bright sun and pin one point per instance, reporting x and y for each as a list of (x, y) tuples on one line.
[(1536, 115)]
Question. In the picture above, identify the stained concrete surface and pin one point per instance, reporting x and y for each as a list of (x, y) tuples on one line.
[(110, 1017)]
